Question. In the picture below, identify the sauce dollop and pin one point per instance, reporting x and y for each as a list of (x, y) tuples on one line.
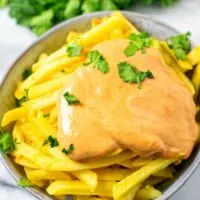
[(157, 119)]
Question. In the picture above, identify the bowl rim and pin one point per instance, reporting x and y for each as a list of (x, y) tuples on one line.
[(173, 188)]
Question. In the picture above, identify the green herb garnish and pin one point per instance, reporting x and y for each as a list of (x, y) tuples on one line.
[(129, 73), (74, 49), (53, 142), (25, 98), (26, 73), (94, 57), (138, 42), (46, 115), (24, 182), (7, 144), (71, 99), (69, 150), (181, 45)]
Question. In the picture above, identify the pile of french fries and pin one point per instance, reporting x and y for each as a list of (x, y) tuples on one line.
[(122, 175)]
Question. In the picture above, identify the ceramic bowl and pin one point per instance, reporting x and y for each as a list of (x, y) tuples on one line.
[(54, 39)]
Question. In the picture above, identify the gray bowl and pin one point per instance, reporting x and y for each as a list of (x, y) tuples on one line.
[(52, 41)]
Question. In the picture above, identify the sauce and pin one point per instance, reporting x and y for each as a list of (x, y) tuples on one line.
[(158, 119)]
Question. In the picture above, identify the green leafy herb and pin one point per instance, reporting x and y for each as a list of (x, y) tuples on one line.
[(181, 44), (129, 73), (24, 182), (138, 42), (7, 145), (26, 73), (46, 115), (25, 98), (74, 49), (94, 57), (69, 150), (71, 99), (53, 142)]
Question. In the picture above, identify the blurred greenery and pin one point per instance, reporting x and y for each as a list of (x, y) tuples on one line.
[(41, 15)]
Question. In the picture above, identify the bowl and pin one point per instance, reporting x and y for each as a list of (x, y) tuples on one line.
[(54, 39)]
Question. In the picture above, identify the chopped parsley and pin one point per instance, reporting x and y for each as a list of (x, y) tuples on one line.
[(129, 73), (74, 49), (180, 44), (138, 43), (46, 115), (53, 142), (95, 57), (71, 99), (25, 98), (7, 144), (26, 73), (24, 182), (69, 150)]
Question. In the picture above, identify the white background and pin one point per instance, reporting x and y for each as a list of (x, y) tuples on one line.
[(184, 15)]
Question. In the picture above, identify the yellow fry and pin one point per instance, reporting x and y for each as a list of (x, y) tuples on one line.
[(17, 134), (112, 174), (38, 174), (184, 65), (153, 180), (20, 160), (148, 192), (45, 71), (78, 188), (102, 31), (127, 163), (72, 36), (132, 28), (14, 115), (43, 102), (194, 56), (176, 68), (88, 177), (41, 58), (130, 195), (140, 161), (165, 173), (139, 176), (46, 87), (196, 78)]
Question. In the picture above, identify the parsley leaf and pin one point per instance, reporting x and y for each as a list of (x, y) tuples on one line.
[(52, 141), (74, 49), (26, 73), (46, 115), (7, 145), (98, 60), (25, 98), (69, 150), (181, 44), (138, 42), (24, 182), (71, 99), (129, 73)]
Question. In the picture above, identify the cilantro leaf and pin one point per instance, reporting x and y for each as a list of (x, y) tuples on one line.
[(74, 49), (7, 145), (138, 43), (24, 182), (129, 73), (71, 99), (181, 44), (46, 115), (69, 150), (52, 141), (26, 73), (94, 57)]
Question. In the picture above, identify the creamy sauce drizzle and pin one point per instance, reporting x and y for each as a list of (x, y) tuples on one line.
[(158, 119)]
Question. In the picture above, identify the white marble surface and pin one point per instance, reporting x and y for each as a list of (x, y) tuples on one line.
[(184, 15)]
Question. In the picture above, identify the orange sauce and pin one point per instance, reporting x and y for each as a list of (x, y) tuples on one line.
[(158, 119)]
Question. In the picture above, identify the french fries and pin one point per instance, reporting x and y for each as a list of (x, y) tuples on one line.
[(121, 175)]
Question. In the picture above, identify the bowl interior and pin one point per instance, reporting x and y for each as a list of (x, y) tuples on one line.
[(52, 41)]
